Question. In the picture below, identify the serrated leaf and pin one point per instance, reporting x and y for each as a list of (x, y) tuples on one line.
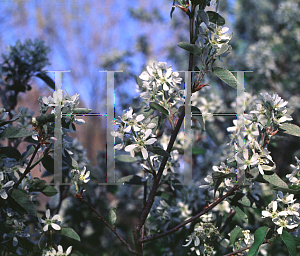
[(10, 152), (226, 76), (158, 107), (224, 48), (159, 151), (131, 179), (69, 232), (215, 18), (15, 132), (46, 79), (190, 48), (291, 129), (49, 191), (48, 163), (275, 180), (235, 234), (125, 158), (21, 197), (290, 243), (259, 237)]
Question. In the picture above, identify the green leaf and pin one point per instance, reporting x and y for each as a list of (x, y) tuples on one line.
[(159, 151), (76, 253), (155, 120), (290, 243), (160, 108), (146, 111), (240, 212), (224, 48), (30, 150), (173, 9), (15, 132), (241, 198), (11, 120), (290, 190), (36, 184), (190, 48), (168, 197), (21, 197), (46, 79), (275, 180), (226, 76), (138, 80), (215, 18), (259, 237), (131, 179), (235, 234), (69, 232), (112, 216), (48, 163), (125, 158), (204, 17), (45, 118), (291, 129), (198, 151), (196, 113), (49, 191), (81, 110), (10, 152)]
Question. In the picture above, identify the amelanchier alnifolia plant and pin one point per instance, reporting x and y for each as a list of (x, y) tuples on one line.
[(152, 140)]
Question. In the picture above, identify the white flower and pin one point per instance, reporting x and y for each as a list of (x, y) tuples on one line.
[(246, 236), (3, 186), (61, 252), (54, 222), (80, 177), (246, 161), (273, 214), (140, 144), (288, 199)]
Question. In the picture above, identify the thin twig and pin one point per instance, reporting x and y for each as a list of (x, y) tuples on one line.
[(80, 198), (241, 250), (27, 168), (207, 209), (228, 219)]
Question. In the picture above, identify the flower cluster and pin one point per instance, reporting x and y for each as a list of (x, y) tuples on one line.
[(294, 177), (204, 231), (141, 133), (60, 251), (160, 84), (270, 111), (283, 211)]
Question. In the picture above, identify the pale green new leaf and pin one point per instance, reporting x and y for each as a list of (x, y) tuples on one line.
[(226, 76)]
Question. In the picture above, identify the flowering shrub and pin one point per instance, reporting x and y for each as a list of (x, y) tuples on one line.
[(209, 214)]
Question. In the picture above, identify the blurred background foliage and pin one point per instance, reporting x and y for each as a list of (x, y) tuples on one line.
[(91, 36)]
